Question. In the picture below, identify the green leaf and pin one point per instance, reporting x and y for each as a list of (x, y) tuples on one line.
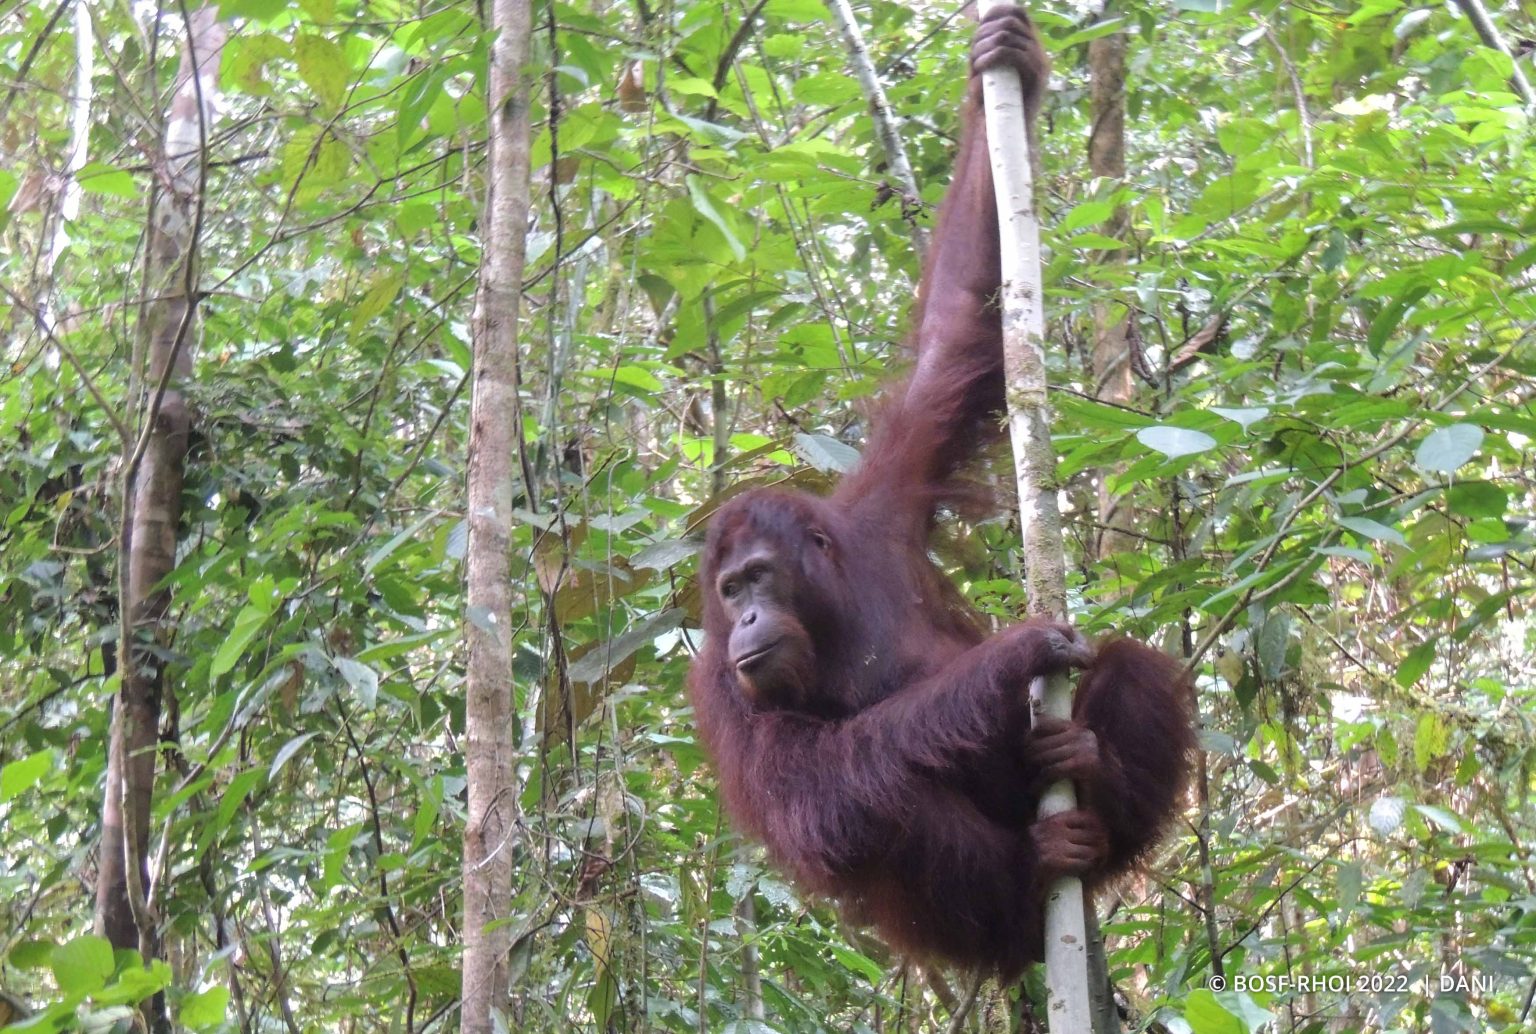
[(265, 593), (1244, 136), (1477, 499), (323, 66), (83, 965), (385, 290), (795, 10), (594, 664), (288, 750), (1386, 746), (203, 1010), (133, 985), (1446, 449), (633, 376), (1411, 21), (826, 453), (97, 178), (859, 963), (1174, 442), (256, 10), (1274, 639), (247, 623), (246, 58), (1497, 550), (1373, 530), (1412, 667), (337, 846), (1093, 242), (1372, 9), (1442, 817), (706, 208), (1265, 772), (1430, 740), (712, 134), (413, 217), (404, 535), (665, 554), (1520, 262), (363, 679), (1365, 556), (1350, 883), (784, 44), (1387, 320), (1096, 29), (1206, 1015), (234, 795), (1089, 213), (690, 86), (30, 953), (1245, 417), (21, 775)]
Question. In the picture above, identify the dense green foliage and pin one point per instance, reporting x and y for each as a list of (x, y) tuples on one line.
[(1336, 498)]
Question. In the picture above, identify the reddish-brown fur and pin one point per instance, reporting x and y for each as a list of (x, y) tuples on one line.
[(865, 726)]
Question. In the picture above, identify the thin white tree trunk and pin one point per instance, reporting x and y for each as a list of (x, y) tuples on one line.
[(79, 138), (879, 107), (1066, 957), (495, 414)]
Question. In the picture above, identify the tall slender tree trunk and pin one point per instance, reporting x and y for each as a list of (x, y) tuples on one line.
[(1110, 368), (1110, 363), (496, 425), (152, 480)]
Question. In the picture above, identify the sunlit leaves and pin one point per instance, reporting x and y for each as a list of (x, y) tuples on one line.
[(363, 679), (1445, 450), (1245, 417), (19, 775), (1206, 1013), (246, 58), (376, 299), (1333, 480), (1175, 442), (83, 964), (204, 1010), (705, 206), (323, 66), (824, 453), (1373, 531), (104, 179), (264, 597)]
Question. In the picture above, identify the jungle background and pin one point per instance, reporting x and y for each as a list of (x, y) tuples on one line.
[(1288, 268)]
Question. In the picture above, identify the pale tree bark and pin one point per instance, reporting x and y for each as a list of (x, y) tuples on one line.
[(79, 140), (152, 477), (1483, 25), (886, 128), (495, 414), (1034, 461)]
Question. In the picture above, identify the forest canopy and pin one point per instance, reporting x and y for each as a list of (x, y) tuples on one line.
[(263, 323)]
